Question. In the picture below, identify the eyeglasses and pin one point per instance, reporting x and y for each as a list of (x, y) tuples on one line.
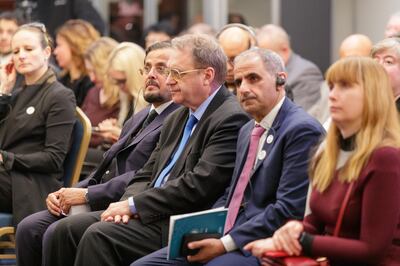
[(147, 69), (177, 74)]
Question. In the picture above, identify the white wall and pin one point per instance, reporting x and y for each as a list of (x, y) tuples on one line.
[(372, 16), (256, 12), (342, 24), (367, 17)]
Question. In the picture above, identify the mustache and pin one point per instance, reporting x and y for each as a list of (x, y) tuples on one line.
[(152, 82), (246, 97)]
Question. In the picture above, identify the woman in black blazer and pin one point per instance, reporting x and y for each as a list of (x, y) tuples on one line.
[(36, 121)]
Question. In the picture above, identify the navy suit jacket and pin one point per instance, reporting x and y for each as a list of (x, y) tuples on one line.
[(278, 186), (129, 159)]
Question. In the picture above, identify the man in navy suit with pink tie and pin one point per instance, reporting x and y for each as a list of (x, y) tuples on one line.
[(270, 180)]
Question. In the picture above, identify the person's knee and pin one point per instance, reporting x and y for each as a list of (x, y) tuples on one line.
[(31, 227), (24, 229), (94, 230)]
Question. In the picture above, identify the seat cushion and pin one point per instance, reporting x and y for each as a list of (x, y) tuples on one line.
[(5, 219)]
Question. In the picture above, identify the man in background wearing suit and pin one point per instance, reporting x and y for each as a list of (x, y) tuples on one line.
[(137, 141), (270, 181), (304, 77), (387, 53), (188, 171)]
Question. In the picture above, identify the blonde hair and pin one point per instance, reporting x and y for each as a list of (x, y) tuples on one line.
[(379, 121), (79, 34), (97, 54), (129, 58)]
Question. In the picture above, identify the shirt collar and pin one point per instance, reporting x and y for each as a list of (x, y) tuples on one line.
[(160, 108), (268, 120), (203, 107)]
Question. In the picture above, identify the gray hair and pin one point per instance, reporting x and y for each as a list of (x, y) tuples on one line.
[(273, 63), (387, 44), (206, 53)]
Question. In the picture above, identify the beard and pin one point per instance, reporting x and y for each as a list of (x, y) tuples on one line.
[(153, 97)]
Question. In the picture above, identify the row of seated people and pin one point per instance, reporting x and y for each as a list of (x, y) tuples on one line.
[(210, 154), (109, 96), (8, 156)]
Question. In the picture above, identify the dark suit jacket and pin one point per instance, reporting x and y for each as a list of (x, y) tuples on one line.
[(128, 159), (203, 170), (35, 132), (278, 185), (303, 82)]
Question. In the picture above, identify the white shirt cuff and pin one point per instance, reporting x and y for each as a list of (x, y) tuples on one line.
[(228, 243)]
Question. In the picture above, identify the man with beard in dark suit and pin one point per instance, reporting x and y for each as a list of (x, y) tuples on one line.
[(190, 168)]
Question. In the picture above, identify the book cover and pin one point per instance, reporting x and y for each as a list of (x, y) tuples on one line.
[(209, 221)]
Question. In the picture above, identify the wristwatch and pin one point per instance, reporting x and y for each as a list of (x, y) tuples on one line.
[(86, 196)]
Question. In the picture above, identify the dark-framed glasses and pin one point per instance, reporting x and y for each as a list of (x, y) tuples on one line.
[(147, 69), (176, 74)]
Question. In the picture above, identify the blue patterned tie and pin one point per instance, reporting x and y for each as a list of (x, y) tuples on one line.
[(186, 135)]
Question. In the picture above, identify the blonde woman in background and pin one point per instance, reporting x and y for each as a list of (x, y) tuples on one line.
[(124, 66), (72, 39), (102, 101)]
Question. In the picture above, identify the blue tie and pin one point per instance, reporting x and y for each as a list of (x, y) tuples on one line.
[(186, 135)]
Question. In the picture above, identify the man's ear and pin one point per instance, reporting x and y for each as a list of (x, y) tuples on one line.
[(209, 74)]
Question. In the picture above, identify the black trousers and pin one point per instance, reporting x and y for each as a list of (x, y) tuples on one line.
[(32, 237), (83, 239)]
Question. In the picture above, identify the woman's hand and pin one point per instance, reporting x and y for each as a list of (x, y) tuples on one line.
[(259, 247), (109, 130), (8, 76), (287, 237)]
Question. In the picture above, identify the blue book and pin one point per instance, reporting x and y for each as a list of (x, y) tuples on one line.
[(209, 221)]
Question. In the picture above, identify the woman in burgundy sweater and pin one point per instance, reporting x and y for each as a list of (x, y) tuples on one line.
[(362, 146)]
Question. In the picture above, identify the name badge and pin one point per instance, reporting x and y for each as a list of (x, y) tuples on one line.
[(30, 110), (261, 155)]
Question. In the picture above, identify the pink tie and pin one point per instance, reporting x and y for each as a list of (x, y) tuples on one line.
[(244, 178)]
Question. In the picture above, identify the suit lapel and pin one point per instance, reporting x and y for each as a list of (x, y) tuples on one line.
[(171, 144), (216, 102), (272, 134), (136, 121), (241, 156), (156, 123)]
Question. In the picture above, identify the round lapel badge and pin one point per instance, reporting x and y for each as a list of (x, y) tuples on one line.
[(30, 110), (262, 155), (270, 138)]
